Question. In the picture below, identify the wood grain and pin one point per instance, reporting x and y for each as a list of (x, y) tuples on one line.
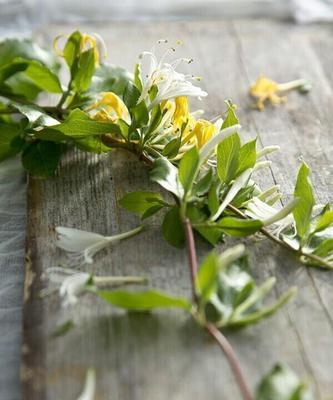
[(163, 355)]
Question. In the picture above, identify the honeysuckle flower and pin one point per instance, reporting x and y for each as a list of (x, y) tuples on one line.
[(182, 114), (89, 388), (278, 220), (93, 41), (163, 75), (109, 107), (72, 283), (81, 246), (266, 89), (203, 131)]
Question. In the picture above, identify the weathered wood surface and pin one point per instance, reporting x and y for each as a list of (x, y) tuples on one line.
[(163, 355)]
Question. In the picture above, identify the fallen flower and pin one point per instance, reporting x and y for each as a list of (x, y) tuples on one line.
[(72, 283), (81, 246), (266, 89)]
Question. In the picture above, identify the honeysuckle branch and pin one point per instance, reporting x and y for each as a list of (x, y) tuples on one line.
[(191, 252), (211, 328), (299, 252), (232, 359)]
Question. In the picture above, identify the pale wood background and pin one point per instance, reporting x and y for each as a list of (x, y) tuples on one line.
[(163, 355)]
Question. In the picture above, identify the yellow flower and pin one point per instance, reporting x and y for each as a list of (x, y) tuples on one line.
[(266, 89), (110, 108), (88, 41), (203, 131), (181, 113)]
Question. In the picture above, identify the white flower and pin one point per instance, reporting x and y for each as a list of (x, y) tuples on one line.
[(82, 245), (169, 82), (270, 216), (71, 283), (89, 389)]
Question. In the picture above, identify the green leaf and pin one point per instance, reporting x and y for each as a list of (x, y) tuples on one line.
[(12, 49), (78, 125), (91, 144), (62, 329), (172, 148), (188, 168), (166, 174), (281, 383), (36, 116), (227, 158), (43, 77), (142, 301), (140, 115), (204, 183), (24, 48), (231, 118), (213, 197), (85, 70), (206, 282), (142, 202), (324, 248), (239, 227), (131, 95), (8, 133), (247, 156), (72, 48), (172, 228), (41, 158), (303, 210), (110, 78), (212, 234), (264, 312), (324, 221), (137, 79)]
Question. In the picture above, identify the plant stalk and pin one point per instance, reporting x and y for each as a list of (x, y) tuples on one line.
[(232, 359), (211, 328), (191, 257)]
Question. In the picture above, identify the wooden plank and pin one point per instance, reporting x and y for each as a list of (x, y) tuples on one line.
[(163, 355)]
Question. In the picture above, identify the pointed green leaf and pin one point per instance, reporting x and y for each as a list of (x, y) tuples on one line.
[(227, 158), (239, 227), (78, 125), (324, 221), (231, 118), (85, 70), (141, 202), (166, 174), (8, 132), (131, 95), (303, 210), (204, 183), (206, 282), (172, 228), (43, 77), (188, 168), (247, 156), (142, 301), (41, 158)]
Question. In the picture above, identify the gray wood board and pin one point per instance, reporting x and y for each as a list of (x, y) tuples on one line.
[(163, 355)]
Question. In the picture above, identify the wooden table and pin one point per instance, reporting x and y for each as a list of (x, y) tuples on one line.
[(163, 355)]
